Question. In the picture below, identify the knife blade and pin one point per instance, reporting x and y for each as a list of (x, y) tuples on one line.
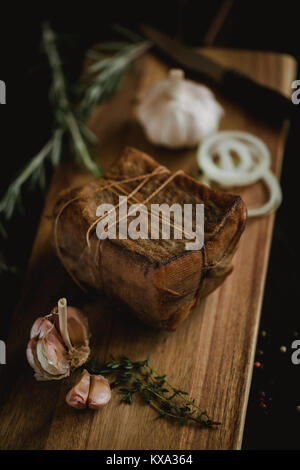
[(264, 102)]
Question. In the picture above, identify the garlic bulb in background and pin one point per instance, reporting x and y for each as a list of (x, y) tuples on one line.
[(178, 113), (58, 342), (91, 391)]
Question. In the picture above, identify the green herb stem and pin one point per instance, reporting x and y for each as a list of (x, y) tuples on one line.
[(138, 377), (183, 398), (59, 95), (80, 146), (8, 202)]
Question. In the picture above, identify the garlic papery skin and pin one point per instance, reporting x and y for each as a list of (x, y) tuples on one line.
[(58, 343), (78, 395), (178, 113), (100, 392)]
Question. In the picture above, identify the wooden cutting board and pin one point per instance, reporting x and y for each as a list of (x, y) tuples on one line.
[(210, 355)]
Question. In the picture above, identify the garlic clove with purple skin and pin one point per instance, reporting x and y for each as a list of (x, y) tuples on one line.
[(51, 353), (33, 361), (78, 330), (92, 391), (78, 395), (78, 327), (36, 327), (100, 392)]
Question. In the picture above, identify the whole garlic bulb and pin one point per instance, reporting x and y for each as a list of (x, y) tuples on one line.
[(58, 343), (176, 112)]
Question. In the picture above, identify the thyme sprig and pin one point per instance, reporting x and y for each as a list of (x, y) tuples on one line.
[(140, 378)]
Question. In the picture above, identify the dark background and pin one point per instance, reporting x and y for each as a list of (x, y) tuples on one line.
[(26, 124)]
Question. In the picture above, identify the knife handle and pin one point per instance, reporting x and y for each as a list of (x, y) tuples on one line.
[(261, 100)]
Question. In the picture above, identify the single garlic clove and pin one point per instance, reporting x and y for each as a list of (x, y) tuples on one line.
[(100, 392), (78, 395), (37, 327), (33, 361), (78, 327), (51, 353)]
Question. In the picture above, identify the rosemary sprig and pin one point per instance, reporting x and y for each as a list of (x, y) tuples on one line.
[(65, 124), (107, 72), (32, 170), (72, 109), (140, 378), (65, 117)]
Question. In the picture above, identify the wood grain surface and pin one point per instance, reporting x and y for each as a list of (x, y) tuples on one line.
[(210, 355)]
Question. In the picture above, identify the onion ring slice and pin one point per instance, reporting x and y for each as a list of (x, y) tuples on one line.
[(236, 158), (275, 197)]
